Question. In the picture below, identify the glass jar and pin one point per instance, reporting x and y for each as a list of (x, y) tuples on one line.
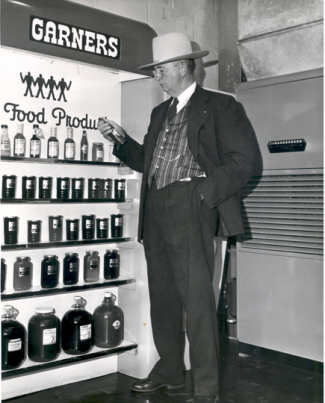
[(119, 188), (55, 228), (88, 226), (50, 271), (34, 230), (23, 273), (3, 275), (106, 188), (94, 188), (102, 228), (116, 225), (8, 186), (77, 188), (29, 187), (62, 188), (98, 152), (72, 229), (45, 187), (10, 226), (13, 339), (111, 264), (91, 266), (71, 269), (77, 329), (44, 335)]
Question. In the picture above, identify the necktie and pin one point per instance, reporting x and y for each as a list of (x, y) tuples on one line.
[(172, 110)]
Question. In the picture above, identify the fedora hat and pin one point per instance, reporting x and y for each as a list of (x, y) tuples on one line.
[(171, 47)]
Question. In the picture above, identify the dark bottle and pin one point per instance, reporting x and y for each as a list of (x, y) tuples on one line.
[(77, 329), (101, 228), (94, 188), (77, 188), (72, 229), (91, 266), (106, 188), (23, 273), (69, 145), (5, 142), (62, 188), (20, 142), (55, 228), (119, 188), (109, 323), (8, 186), (44, 336), (10, 226), (84, 147), (35, 144), (3, 274), (111, 264), (50, 271), (28, 187), (53, 144), (70, 269), (13, 339), (116, 225), (44, 187), (34, 231), (88, 226)]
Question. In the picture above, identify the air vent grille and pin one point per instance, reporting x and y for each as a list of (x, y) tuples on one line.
[(284, 213)]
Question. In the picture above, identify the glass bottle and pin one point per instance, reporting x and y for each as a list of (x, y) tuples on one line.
[(23, 273), (84, 147), (5, 142), (70, 269), (50, 271), (53, 144), (3, 274), (44, 335), (91, 266), (35, 144), (13, 339), (20, 142), (108, 323), (111, 264), (77, 329), (69, 145)]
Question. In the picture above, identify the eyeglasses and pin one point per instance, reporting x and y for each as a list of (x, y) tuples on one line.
[(161, 71)]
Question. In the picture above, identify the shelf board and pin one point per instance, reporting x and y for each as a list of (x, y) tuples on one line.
[(38, 291), (30, 367), (62, 201), (43, 245), (57, 161)]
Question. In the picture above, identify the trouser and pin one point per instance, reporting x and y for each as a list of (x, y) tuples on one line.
[(179, 229)]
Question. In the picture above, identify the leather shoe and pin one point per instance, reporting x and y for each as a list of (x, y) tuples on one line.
[(204, 399), (147, 385)]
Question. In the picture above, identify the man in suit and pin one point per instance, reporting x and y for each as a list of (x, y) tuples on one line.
[(199, 151)]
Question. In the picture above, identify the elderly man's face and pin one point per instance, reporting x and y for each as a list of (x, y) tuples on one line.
[(169, 77)]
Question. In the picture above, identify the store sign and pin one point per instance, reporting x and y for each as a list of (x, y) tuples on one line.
[(68, 36)]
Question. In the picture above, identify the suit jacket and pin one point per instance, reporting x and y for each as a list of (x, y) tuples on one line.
[(222, 141)]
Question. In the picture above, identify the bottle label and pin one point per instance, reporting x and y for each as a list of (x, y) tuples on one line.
[(89, 224), (73, 267), (116, 324), (73, 226), (118, 222), (93, 265), (12, 226), (100, 154), (121, 185), (30, 184), (113, 263), (85, 332), (10, 183), (78, 184), (108, 185), (14, 345), (35, 147), (96, 185), (5, 147), (103, 225), (64, 185), (51, 270), (53, 149), (49, 336), (46, 184), (84, 149), (20, 146), (69, 150), (35, 229), (23, 271), (56, 223)]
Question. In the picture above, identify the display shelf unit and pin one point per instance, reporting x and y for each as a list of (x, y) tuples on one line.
[(30, 367), (62, 201), (38, 291), (58, 161)]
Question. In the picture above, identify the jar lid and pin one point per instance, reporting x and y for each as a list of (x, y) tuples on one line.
[(9, 176), (108, 294), (44, 309), (102, 218), (66, 178), (45, 177), (51, 256), (30, 177), (88, 215), (3, 260), (91, 252), (55, 216), (71, 254), (72, 219), (23, 258), (12, 217), (4, 127), (98, 144), (79, 179), (34, 221)]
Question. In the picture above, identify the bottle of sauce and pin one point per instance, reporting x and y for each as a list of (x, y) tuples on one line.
[(69, 145), (111, 264), (91, 266), (13, 339), (71, 269), (53, 144), (44, 335), (5, 142), (50, 271), (108, 323), (77, 329), (23, 273), (84, 147), (3, 274), (35, 144), (20, 142)]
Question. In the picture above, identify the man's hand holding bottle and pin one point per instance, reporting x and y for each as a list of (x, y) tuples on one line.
[(111, 131)]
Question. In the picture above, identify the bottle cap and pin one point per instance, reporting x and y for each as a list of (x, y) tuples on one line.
[(20, 127), (53, 131), (70, 132), (35, 126), (108, 294), (4, 127), (84, 132), (45, 309)]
